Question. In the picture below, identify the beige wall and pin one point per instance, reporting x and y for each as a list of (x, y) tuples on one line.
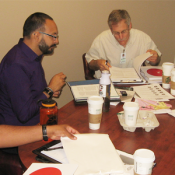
[(79, 22)]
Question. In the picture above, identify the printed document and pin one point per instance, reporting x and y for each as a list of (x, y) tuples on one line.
[(129, 74), (82, 92), (152, 92)]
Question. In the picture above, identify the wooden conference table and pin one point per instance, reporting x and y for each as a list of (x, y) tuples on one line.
[(161, 140)]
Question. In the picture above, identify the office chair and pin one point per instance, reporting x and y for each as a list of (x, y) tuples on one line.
[(89, 73)]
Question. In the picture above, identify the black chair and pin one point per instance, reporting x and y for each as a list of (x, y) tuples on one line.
[(89, 73)]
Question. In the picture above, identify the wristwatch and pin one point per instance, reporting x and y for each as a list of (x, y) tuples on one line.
[(49, 91), (45, 137)]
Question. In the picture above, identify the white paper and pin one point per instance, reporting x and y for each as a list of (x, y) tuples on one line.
[(138, 61), (114, 103), (172, 112), (129, 74), (66, 169), (69, 169), (85, 91), (152, 92), (94, 153), (123, 74)]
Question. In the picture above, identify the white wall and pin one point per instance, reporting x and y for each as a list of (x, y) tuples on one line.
[(79, 22)]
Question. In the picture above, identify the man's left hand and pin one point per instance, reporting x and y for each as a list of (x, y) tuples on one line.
[(154, 59), (56, 131)]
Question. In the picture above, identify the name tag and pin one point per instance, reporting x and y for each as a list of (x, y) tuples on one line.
[(123, 58)]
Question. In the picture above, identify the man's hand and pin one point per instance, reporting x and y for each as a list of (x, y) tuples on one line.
[(154, 59), (56, 83), (56, 94), (99, 65), (56, 131)]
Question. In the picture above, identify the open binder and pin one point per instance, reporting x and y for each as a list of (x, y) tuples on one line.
[(129, 75), (81, 90)]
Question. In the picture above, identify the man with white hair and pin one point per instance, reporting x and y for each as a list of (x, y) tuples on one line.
[(120, 45)]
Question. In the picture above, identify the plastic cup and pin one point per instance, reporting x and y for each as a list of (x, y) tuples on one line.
[(143, 162), (166, 76), (130, 112), (95, 111)]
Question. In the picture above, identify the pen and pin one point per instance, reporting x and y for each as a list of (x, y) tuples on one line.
[(106, 62), (49, 149)]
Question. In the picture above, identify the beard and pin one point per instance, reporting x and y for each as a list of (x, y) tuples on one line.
[(45, 48)]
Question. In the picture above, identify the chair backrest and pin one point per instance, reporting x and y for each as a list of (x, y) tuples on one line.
[(89, 73)]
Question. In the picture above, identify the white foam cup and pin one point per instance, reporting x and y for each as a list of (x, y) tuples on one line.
[(166, 75), (143, 161), (95, 111), (130, 113)]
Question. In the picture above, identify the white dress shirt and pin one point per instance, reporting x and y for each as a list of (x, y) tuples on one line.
[(106, 47)]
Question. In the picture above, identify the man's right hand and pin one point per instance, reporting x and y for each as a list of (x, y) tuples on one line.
[(56, 83), (99, 65)]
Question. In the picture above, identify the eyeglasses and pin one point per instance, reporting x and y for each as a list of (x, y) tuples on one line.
[(122, 32), (53, 36)]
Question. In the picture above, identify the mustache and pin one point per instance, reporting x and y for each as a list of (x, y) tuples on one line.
[(54, 45), (124, 39)]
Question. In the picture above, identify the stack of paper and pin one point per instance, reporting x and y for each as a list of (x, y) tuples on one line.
[(69, 169), (94, 153), (85, 148), (150, 78)]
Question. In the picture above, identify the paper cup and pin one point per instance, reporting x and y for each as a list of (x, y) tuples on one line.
[(130, 113), (143, 161), (95, 111), (166, 75), (172, 84)]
